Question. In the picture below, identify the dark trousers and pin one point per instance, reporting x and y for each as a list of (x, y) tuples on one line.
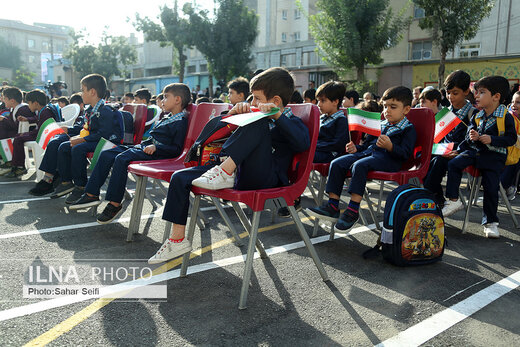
[(490, 182), (72, 162), (8, 128), (359, 164), (18, 150), (436, 172), (49, 162), (324, 157), (117, 159), (509, 174)]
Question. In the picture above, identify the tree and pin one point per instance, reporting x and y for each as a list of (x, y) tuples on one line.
[(173, 32), (352, 33), (451, 22), (23, 79), (9, 55), (227, 48), (106, 58)]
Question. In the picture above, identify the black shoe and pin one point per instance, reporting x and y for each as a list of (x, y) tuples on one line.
[(85, 201), (284, 211), (346, 221), (75, 195), (109, 214), (16, 172), (325, 211), (63, 189), (42, 188), (56, 180)]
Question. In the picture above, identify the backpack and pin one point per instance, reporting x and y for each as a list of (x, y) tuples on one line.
[(128, 127), (209, 143), (513, 152), (413, 227), (56, 112)]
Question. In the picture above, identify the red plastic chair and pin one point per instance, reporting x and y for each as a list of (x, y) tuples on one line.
[(164, 169), (258, 200), (139, 112)]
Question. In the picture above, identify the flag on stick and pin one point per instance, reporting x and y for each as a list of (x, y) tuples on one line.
[(6, 149), (47, 131), (442, 148), (102, 145), (364, 121), (248, 118), (445, 121)]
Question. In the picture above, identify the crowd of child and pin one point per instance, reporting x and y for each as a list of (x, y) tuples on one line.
[(258, 155)]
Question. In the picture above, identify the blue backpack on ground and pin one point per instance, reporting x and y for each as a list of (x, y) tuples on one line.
[(413, 228)]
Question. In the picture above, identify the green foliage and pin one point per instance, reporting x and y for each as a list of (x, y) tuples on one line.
[(226, 39), (23, 79), (106, 58), (9, 55), (352, 33)]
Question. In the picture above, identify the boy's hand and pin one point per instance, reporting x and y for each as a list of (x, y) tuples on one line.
[(22, 119), (266, 108), (384, 141), (473, 135), (65, 129), (485, 139), (239, 108), (76, 140), (451, 154), (150, 149), (351, 147), (2, 118)]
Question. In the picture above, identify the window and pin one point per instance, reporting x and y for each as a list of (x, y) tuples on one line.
[(469, 50), (288, 59), (31, 59), (418, 12), (297, 13), (203, 67), (421, 50), (297, 36), (30, 43), (284, 14), (284, 37), (59, 47), (309, 58), (45, 46), (192, 69)]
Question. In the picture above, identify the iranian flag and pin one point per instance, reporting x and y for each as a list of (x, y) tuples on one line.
[(102, 145), (442, 148), (364, 121), (47, 131), (6, 149), (445, 121)]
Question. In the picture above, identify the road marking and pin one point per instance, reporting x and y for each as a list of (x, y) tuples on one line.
[(2, 183), (439, 322), (463, 290)]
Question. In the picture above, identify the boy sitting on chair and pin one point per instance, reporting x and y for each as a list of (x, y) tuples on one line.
[(384, 153)]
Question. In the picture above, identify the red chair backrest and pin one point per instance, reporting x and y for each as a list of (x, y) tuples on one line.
[(199, 116), (139, 112), (423, 120)]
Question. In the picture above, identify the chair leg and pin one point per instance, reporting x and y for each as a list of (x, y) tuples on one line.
[(247, 226), (137, 208), (167, 230), (472, 191), (321, 193), (371, 210), (191, 231), (381, 189), (308, 244), (475, 196), (508, 205), (226, 219), (200, 216), (248, 267)]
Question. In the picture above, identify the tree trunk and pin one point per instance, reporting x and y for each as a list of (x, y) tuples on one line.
[(442, 67), (182, 63), (361, 73), (210, 85)]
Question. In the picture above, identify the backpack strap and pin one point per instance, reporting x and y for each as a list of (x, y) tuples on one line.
[(501, 124)]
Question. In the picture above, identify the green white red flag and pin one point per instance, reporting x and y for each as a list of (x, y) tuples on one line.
[(364, 121), (102, 145), (47, 131), (445, 121), (250, 117), (442, 148), (6, 149)]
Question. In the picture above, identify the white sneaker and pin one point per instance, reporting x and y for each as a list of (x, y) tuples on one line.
[(215, 179), (491, 230), (450, 207), (170, 250), (511, 192)]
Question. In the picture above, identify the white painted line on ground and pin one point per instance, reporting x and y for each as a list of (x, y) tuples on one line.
[(463, 290), (439, 322), (41, 306), (2, 183)]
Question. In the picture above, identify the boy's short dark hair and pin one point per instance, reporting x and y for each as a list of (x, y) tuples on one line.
[(37, 95), (310, 94), (13, 93), (296, 98), (179, 89), (459, 79), (143, 93), (274, 81), (431, 94), (160, 96), (399, 93), (332, 90), (97, 82), (76, 99), (63, 99), (495, 84), (240, 85), (129, 95), (217, 101), (370, 106), (352, 94), (202, 99)]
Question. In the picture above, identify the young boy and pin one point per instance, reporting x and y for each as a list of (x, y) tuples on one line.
[(166, 141), (384, 153), (37, 102), (457, 86), (262, 151), (351, 99), (238, 90), (431, 99), (63, 101), (309, 96), (128, 98), (102, 122), (484, 148), (142, 96)]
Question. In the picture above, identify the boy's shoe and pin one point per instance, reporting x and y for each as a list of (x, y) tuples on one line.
[(491, 230), (346, 221), (63, 189), (5, 168), (16, 172), (215, 179), (85, 201), (109, 214), (450, 207), (511, 193), (56, 180), (325, 211), (75, 195), (284, 211), (42, 188), (170, 250)]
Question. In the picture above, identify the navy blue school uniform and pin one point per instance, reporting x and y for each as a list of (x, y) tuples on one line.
[(167, 136), (369, 157), (9, 125), (489, 159), (102, 122), (332, 138), (263, 152), (439, 164)]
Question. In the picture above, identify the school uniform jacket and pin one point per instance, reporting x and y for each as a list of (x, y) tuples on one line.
[(11, 123), (168, 135), (44, 114), (333, 134), (458, 134), (103, 123)]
